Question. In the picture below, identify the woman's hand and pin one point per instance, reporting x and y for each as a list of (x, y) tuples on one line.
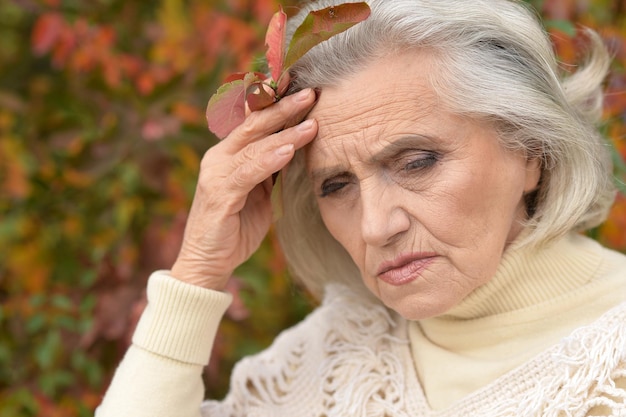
[(231, 211)]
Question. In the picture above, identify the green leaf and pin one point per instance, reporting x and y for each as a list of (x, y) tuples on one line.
[(62, 302), (323, 24), (564, 26), (619, 165), (87, 304), (226, 108), (275, 42), (21, 402), (52, 382), (47, 351), (35, 323), (67, 323)]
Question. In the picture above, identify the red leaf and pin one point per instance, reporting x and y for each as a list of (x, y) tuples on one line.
[(323, 24), (258, 97), (275, 42), (258, 94), (283, 84), (241, 75), (226, 109), (46, 31)]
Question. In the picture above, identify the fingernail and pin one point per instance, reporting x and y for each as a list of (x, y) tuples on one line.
[(303, 95), (285, 149), (306, 125)]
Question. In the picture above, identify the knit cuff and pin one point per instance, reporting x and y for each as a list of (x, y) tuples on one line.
[(180, 320)]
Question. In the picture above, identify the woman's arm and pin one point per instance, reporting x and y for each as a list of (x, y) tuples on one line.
[(160, 374), (231, 212)]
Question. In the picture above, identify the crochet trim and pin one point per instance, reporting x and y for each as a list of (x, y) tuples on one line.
[(343, 360)]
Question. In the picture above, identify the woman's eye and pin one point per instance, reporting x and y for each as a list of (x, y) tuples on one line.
[(329, 187), (423, 161)]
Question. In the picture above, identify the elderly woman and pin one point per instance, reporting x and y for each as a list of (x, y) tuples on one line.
[(433, 197)]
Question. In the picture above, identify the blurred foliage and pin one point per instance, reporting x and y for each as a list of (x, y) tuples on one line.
[(101, 132)]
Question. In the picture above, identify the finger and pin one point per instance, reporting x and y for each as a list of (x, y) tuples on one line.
[(258, 161), (256, 171), (218, 165), (263, 123), (299, 135)]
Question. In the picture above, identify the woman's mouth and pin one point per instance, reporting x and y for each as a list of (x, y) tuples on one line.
[(405, 268)]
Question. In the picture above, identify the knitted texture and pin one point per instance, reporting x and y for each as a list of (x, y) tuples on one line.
[(351, 358)]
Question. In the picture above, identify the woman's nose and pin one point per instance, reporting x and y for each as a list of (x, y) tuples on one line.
[(383, 218)]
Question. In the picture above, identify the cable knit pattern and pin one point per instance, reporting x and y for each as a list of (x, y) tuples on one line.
[(350, 358)]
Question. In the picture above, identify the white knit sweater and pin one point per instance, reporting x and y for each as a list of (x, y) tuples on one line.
[(354, 358), (360, 365)]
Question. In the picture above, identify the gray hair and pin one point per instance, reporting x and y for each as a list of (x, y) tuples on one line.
[(496, 63)]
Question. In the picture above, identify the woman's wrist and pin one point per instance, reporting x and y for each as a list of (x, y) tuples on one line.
[(201, 277)]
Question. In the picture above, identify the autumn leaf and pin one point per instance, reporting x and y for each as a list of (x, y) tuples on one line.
[(67, 242), (323, 24), (46, 32), (226, 108), (258, 94), (242, 75), (275, 42)]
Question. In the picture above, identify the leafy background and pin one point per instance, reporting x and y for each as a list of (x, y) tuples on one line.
[(101, 132)]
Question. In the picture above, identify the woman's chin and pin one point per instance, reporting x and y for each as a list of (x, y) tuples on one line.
[(414, 305)]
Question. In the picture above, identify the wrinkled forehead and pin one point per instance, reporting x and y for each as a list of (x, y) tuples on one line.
[(386, 99)]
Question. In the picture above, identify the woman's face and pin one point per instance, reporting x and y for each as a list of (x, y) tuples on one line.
[(425, 202)]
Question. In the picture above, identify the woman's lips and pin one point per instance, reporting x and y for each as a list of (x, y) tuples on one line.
[(405, 268)]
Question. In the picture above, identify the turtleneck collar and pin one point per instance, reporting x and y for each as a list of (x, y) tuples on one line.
[(528, 277), (535, 299)]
